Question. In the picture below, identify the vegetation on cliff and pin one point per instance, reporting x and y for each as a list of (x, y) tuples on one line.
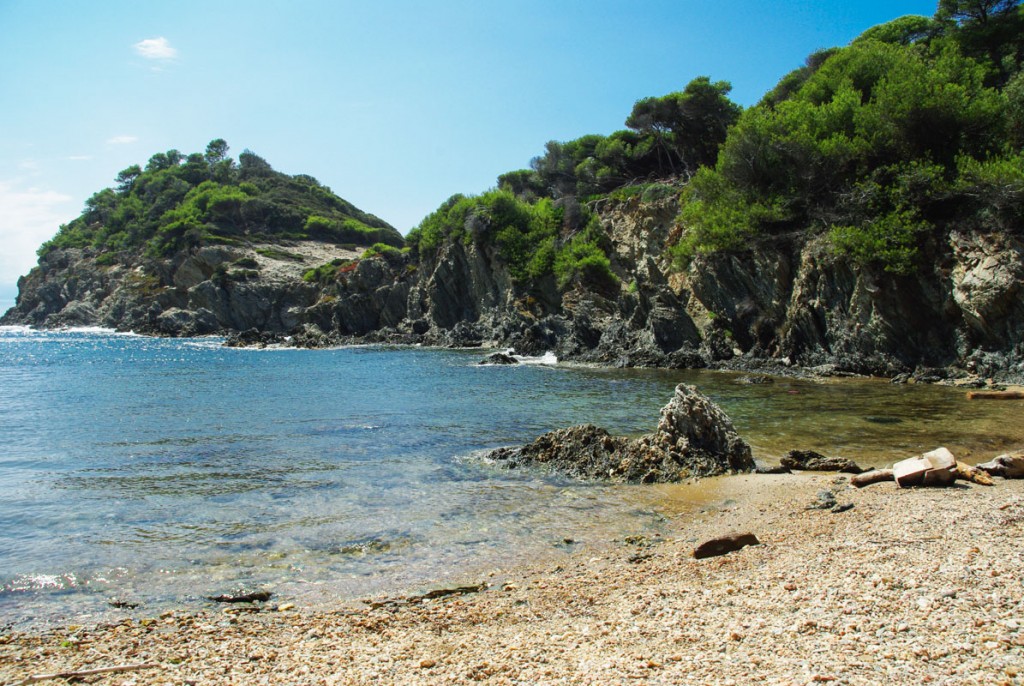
[(917, 124), (180, 201)]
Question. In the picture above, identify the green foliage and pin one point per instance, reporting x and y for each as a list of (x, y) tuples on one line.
[(326, 273), (584, 258), (889, 240), (178, 201), (866, 145), (994, 189), (902, 30), (278, 254), (384, 250)]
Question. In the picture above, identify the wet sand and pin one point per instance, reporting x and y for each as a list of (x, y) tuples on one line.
[(908, 586)]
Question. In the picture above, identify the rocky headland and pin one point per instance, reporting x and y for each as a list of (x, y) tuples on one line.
[(790, 303)]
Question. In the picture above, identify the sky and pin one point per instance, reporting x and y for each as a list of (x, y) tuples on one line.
[(394, 104)]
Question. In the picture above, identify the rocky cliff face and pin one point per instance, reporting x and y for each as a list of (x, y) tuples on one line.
[(787, 302)]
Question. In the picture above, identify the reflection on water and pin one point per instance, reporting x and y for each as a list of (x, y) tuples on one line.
[(159, 471)]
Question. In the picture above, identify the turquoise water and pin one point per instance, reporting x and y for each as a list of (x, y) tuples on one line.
[(158, 471)]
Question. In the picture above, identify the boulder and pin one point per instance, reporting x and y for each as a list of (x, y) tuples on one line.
[(810, 461), (695, 438)]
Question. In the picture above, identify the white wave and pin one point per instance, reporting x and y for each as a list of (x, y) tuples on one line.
[(16, 328), (549, 358), (101, 331)]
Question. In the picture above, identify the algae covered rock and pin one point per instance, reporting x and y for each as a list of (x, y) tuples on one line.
[(695, 438)]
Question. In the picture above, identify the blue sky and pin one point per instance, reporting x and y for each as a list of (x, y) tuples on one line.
[(394, 104)]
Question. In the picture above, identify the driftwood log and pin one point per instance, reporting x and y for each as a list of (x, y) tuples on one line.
[(1008, 466), (872, 477)]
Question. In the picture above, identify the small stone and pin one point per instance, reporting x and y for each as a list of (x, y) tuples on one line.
[(427, 663), (284, 607), (725, 544)]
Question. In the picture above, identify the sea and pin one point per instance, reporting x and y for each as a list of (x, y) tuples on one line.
[(140, 474)]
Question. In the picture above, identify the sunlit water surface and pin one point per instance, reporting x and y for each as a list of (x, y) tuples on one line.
[(159, 471)]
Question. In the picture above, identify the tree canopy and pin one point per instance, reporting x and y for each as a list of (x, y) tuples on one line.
[(179, 201)]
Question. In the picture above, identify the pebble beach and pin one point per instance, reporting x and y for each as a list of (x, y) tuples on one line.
[(908, 586)]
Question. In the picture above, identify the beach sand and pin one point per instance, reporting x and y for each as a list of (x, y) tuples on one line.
[(907, 587)]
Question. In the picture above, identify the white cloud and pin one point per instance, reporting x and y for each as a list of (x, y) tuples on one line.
[(79, 158), (156, 49), (122, 140), (28, 216)]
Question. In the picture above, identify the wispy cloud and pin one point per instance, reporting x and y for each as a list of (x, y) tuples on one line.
[(28, 216), (122, 140), (156, 49), (79, 158)]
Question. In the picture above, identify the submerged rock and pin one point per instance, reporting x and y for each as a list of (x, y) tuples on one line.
[(695, 438)]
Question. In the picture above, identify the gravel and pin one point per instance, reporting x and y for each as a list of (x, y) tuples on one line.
[(909, 587)]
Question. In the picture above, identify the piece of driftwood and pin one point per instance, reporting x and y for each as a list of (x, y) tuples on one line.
[(1008, 466), (85, 672), (241, 597), (875, 476), (968, 473), (995, 395)]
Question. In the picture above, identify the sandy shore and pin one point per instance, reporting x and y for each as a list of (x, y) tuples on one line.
[(907, 587)]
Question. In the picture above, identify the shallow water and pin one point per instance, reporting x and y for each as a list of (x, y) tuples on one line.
[(159, 471)]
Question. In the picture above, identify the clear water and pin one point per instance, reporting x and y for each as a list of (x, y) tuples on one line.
[(159, 471)]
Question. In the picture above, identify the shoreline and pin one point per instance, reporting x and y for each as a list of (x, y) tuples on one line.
[(908, 586)]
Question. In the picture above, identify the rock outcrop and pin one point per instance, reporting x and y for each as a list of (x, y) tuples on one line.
[(695, 438), (787, 302)]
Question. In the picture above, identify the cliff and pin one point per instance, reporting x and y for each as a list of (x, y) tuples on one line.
[(786, 302)]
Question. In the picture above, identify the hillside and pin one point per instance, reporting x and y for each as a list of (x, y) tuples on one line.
[(866, 216)]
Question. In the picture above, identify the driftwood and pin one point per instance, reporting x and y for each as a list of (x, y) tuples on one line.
[(85, 672), (241, 597), (1008, 466), (995, 395), (937, 468), (968, 473), (873, 477)]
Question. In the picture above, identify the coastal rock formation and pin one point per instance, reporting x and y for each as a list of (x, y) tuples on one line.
[(695, 438), (790, 303)]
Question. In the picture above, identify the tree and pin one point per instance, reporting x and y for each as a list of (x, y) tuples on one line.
[(216, 151), (902, 30), (988, 30), (687, 126), (126, 178)]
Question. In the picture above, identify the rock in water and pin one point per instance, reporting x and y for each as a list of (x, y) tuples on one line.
[(499, 358), (585, 451), (810, 461), (695, 438)]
